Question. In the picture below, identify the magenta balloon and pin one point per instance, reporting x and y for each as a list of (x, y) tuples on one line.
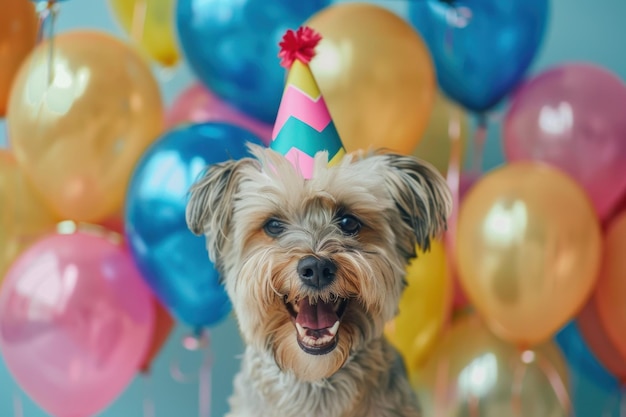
[(75, 322), (573, 117), (198, 105)]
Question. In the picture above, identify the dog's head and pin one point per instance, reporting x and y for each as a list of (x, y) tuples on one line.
[(314, 268)]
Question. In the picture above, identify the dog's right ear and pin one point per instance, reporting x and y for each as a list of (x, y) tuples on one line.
[(210, 207)]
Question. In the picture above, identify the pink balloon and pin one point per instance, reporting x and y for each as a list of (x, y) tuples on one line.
[(198, 105), (573, 117), (75, 322)]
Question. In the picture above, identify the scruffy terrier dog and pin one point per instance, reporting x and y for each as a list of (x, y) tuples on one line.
[(314, 269)]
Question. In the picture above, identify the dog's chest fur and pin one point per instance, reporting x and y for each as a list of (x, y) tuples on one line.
[(371, 384)]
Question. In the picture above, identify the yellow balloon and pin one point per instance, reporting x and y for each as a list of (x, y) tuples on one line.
[(376, 75), (23, 216), (18, 34), (151, 24), (423, 308), (79, 123), (474, 373), (446, 119), (528, 250)]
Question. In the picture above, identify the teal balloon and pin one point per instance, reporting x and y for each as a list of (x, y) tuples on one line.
[(481, 48), (173, 261), (232, 47)]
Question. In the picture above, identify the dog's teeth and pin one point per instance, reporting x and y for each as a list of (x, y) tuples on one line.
[(301, 331), (333, 330)]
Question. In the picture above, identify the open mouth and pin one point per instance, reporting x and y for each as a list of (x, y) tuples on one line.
[(317, 323)]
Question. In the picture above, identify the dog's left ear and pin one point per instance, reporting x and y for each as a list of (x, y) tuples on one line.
[(421, 195)]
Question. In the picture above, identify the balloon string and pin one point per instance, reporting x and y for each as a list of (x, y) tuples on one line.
[(622, 401), (453, 177), (18, 409), (48, 11), (204, 385), (557, 383), (139, 20), (200, 340), (518, 382), (480, 136), (148, 401)]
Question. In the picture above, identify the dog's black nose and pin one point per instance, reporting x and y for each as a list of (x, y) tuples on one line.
[(316, 272)]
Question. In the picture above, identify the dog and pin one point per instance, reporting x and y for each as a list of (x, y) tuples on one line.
[(314, 269)]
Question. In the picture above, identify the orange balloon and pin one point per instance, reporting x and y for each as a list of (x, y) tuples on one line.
[(474, 373), (376, 75), (18, 34), (610, 295), (79, 123), (528, 250), (23, 216)]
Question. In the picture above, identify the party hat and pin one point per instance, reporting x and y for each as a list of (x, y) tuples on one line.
[(303, 125)]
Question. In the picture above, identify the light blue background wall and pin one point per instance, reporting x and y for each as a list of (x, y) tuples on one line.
[(579, 30)]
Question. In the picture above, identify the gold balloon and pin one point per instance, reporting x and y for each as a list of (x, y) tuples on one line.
[(528, 250), (423, 308), (23, 216), (472, 373), (151, 24), (445, 120), (376, 75), (79, 122), (18, 34)]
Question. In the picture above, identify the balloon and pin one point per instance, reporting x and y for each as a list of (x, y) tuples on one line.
[(75, 322), (581, 358), (151, 24), (610, 294), (232, 47), (173, 261), (78, 131), (376, 76), (572, 117), (423, 308), (599, 342), (23, 216), (481, 48), (18, 34), (163, 325), (198, 105), (474, 373), (436, 143), (528, 250)]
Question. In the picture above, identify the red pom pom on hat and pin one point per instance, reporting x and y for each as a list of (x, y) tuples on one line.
[(299, 45)]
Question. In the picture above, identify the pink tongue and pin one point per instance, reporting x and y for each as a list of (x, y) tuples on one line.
[(315, 317)]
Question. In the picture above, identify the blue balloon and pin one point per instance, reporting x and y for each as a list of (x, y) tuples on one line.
[(173, 261), (232, 47), (580, 357), (481, 48)]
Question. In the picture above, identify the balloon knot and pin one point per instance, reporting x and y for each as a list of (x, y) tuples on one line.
[(299, 45)]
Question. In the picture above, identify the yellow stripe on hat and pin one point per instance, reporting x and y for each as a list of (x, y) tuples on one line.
[(338, 156), (301, 77)]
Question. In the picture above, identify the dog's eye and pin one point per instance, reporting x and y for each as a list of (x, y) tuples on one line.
[(274, 227), (349, 225)]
